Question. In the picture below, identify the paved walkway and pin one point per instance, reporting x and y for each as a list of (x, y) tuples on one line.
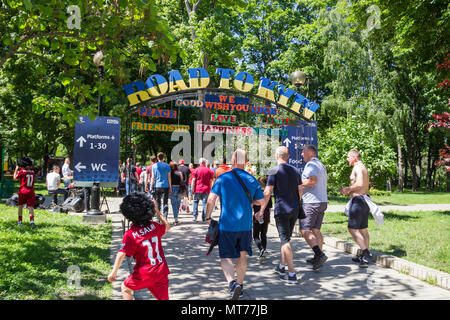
[(197, 276)]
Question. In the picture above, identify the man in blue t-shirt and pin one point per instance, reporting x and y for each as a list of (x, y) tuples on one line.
[(161, 183), (235, 223), (284, 180)]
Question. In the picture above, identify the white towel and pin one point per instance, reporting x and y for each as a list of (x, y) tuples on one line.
[(374, 210)]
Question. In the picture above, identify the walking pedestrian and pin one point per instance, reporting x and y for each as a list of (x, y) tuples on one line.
[(260, 228), (184, 184), (315, 202), (222, 168), (143, 242), (175, 196), (358, 212), (148, 170), (284, 180), (201, 186), (237, 191), (161, 180), (190, 193), (138, 174), (129, 177)]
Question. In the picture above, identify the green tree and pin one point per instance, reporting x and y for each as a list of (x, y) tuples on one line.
[(355, 133)]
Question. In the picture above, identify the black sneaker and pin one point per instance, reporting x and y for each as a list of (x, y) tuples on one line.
[(319, 262), (311, 261), (289, 279), (235, 291), (364, 262), (281, 271), (357, 259)]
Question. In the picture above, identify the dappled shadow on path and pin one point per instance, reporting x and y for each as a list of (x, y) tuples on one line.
[(197, 276)]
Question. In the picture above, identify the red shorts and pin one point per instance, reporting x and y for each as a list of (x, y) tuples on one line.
[(27, 198), (159, 288)]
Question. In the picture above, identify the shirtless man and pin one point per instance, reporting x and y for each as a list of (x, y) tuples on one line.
[(358, 214)]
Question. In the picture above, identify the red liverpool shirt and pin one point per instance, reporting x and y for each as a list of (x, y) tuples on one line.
[(143, 243), (26, 178)]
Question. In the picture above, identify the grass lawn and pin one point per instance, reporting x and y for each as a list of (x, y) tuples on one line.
[(34, 262), (41, 188), (422, 237), (405, 198)]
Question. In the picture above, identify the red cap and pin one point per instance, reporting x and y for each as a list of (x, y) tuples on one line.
[(181, 161)]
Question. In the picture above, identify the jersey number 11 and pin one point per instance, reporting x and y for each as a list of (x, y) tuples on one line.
[(150, 250)]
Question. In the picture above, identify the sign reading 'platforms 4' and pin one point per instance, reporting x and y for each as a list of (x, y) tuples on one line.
[(96, 151)]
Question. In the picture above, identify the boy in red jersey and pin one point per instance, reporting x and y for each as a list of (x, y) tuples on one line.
[(25, 174), (143, 242)]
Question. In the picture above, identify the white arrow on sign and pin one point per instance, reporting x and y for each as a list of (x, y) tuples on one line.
[(81, 140), (79, 167), (287, 142)]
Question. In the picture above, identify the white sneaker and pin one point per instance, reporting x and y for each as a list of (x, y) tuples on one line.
[(262, 255)]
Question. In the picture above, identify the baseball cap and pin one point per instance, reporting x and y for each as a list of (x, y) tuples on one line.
[(181, 161)]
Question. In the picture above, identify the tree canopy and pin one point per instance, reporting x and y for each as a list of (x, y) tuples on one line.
[(377, 69)]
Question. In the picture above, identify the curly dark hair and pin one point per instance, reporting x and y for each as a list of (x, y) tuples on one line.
[(25, 162), (138, 208)]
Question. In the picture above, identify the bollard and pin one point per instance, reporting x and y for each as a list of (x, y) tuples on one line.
[(95, 200)]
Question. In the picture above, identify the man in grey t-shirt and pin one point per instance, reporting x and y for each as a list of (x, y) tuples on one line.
[(315, 201)]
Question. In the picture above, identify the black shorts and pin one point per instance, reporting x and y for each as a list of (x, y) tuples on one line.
[(285, 225), (358, 215)]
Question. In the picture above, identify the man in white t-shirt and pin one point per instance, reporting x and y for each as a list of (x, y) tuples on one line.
[(53, 181), (67, 173), (315, 202)]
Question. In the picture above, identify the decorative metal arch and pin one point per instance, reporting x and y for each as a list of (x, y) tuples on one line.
[(189, 93), (193, 93)]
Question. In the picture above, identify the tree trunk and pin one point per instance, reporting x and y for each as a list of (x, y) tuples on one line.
[(429, 167), (46, 157), (411, 157), (400, 167), (405, 176)]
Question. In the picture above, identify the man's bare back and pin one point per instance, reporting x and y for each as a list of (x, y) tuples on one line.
[(359, 180)]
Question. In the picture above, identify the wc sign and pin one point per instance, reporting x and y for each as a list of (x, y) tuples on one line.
[(96, 151)]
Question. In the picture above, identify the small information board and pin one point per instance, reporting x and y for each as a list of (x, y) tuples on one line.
[(96, 152)]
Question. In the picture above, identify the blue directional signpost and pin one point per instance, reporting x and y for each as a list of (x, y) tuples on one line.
[(96, 152), (299, 136)]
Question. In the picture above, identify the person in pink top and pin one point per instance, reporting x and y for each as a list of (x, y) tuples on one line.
[(191, 176), (201, 187)]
